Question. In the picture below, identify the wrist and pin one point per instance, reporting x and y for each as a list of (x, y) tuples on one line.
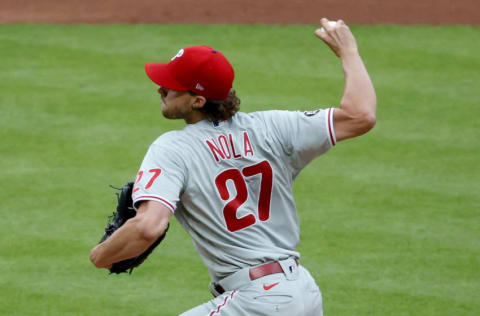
[(349, 54)]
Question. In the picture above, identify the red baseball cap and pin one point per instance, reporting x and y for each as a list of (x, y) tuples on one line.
[(200, 69)]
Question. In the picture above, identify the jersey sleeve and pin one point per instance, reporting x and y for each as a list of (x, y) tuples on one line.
[(161, 177), (302, 136)]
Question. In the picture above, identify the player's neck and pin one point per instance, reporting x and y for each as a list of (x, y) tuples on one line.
[(195, 116)]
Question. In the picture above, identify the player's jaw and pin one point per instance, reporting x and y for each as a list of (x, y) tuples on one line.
[(175, 104), (181, 105)]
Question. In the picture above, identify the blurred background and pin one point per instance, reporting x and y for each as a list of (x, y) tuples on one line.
[(435, 12)]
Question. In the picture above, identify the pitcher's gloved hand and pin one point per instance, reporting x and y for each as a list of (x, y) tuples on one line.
[(124, 212)]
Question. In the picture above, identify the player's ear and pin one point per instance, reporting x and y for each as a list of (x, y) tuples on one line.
[(198, 102)]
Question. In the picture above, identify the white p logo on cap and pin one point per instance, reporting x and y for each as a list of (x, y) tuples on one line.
[(179, 54)]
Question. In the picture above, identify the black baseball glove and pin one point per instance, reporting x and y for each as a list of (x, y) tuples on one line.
[(124, 212)]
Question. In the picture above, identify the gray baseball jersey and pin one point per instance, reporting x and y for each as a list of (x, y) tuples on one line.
[(229, 183)]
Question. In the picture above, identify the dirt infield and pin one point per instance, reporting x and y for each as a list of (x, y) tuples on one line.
[(434, 12)]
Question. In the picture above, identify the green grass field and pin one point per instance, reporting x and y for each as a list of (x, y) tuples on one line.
[(390, 221)]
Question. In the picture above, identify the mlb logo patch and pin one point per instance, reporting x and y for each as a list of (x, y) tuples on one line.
[(215, 124)]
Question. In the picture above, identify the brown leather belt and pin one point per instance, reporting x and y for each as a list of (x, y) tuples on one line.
[(258, 272)]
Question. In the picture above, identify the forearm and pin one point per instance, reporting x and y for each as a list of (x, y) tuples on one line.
[(127, 242), (359, 97)]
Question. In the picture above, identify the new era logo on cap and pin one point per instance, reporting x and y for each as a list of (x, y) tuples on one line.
[(193, 65), (179, 54)]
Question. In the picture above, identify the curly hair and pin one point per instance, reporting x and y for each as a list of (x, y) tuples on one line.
[(221, 110)]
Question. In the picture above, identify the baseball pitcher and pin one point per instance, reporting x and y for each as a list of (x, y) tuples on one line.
[(227, 178)]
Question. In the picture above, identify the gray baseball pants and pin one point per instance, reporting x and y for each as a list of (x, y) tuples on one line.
[(293, 292)]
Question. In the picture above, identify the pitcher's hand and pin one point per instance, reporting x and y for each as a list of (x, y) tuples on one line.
[(338, 37)]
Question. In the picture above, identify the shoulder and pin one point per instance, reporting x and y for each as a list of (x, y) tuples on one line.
[(271, 117), (166, 138), (280, 117), (172, 140), (274, 114), (168, 150), (267, 120), (257, 116)]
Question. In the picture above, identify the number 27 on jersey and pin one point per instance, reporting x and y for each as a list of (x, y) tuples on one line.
[(239, 180)]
